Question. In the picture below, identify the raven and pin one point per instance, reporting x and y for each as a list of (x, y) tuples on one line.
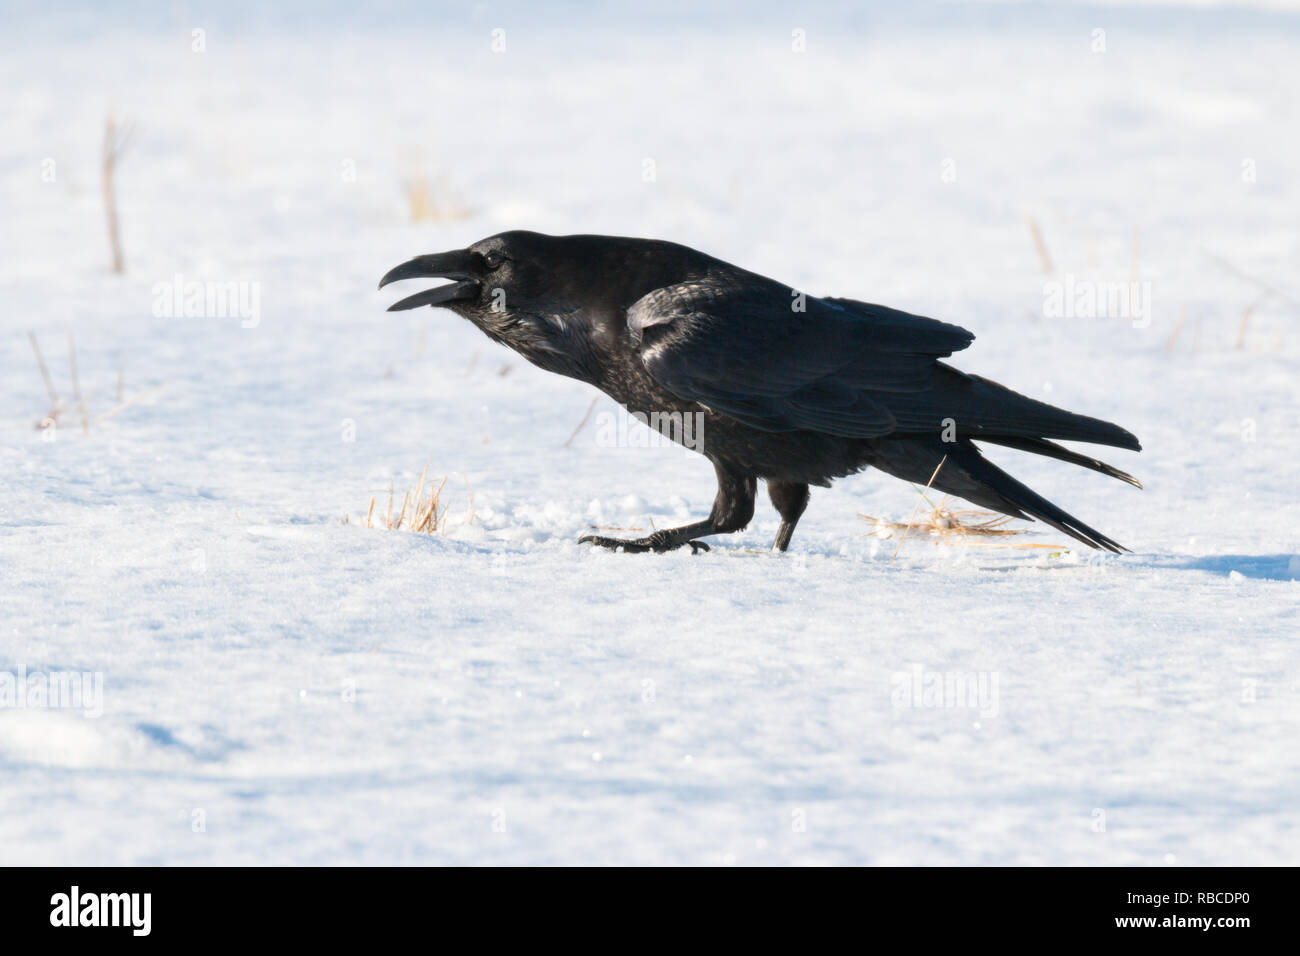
[(791, 388)]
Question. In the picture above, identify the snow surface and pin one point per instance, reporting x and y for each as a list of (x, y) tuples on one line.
[(281, 687)]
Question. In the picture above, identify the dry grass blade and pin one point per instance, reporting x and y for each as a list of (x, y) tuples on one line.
[(421, 509), (76, 385), (431, 519), (115, 143), (437, 522), (56, 404), (45, 372), (72, 368), (424, 206), (590, 409), (959, 527), (1178, 329), (419, 488), (128, 403), (1245, 319), (919, 499), (1041, 246)]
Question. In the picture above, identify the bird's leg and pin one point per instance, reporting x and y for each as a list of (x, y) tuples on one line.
[(789, 499), (732, 508)]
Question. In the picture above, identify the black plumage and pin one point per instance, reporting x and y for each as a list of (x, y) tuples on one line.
[(790, 388)]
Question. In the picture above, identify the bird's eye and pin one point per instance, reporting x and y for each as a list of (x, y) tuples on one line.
[(493, 260)]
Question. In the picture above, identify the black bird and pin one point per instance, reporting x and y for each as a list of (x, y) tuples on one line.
[(787, 387)]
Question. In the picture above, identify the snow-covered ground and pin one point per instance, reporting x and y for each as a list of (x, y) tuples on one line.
[(278, 686)]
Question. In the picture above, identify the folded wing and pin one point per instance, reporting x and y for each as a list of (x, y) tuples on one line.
[(778, 361)]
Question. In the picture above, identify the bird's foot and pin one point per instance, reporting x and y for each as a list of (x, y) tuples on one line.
[(654, 542)]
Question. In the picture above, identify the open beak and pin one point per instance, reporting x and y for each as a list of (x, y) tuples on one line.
[(442, 265)]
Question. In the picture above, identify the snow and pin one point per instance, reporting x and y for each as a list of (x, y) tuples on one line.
[(280, 687)]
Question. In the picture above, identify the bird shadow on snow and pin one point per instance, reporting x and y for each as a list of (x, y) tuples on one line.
[(1263, 567)]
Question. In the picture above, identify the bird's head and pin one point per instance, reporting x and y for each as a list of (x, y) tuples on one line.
[(518, 287), (558, 300)]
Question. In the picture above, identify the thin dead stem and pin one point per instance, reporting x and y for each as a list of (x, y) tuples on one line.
[(590, 409), (1245, 319), (918, 505), (76, 385), (115, 142), (139, 397), (1041, 245), (56, 404), (425, 206)]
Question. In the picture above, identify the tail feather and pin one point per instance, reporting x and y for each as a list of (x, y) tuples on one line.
[(1041, 446), (968, 474), (981, 407), (1026, 417), (1025, 499)]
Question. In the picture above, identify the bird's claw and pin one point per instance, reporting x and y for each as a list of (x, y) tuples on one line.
[(640, 545), (613, 544)]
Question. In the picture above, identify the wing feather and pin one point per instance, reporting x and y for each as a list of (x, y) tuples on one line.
[(751, 349)]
